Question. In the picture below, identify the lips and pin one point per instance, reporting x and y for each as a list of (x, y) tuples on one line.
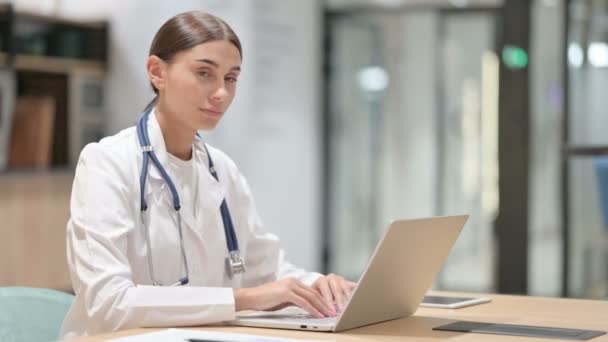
[(211, 112)]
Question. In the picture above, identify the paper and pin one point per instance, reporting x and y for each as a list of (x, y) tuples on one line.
[(183, 335)]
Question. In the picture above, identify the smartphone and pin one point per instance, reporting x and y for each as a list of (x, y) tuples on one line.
[(451, 302)]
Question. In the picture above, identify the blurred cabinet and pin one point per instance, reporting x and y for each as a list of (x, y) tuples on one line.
[(59, 58), (87, 90), (7, 105)]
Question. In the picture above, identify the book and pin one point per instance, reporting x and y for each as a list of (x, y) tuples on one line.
[(32, 132)]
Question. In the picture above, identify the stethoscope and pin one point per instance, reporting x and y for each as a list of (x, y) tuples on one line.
[(234, 263)]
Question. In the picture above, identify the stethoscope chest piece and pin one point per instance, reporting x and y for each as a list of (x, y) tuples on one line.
[(234, 264)]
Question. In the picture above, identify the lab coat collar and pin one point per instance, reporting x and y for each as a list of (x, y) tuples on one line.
[(158, 145)]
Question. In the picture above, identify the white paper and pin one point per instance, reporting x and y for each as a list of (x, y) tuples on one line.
[(182, 335)]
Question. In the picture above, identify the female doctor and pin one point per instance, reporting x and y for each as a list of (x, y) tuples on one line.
[(163, 228)]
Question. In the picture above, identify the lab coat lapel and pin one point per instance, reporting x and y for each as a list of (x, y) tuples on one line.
[(211, 192)]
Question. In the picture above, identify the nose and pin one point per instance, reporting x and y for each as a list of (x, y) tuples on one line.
[(220, 94)]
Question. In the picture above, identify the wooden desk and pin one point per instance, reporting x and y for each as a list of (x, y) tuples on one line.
[(563, 313)]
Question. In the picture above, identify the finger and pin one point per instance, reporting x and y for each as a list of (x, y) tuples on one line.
[(323, 288), (347, 286), (313, 294), (304, 304), (315, 299), (346, 289), (336, 290)]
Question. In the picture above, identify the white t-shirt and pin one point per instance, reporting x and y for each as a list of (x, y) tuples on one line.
[(184, 176)]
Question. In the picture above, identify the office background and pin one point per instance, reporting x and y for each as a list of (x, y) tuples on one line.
[(350, 113)]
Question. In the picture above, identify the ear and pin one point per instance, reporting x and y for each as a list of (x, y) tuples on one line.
[(156, 71)]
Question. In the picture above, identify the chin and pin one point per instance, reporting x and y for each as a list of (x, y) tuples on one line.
[(207, 126)]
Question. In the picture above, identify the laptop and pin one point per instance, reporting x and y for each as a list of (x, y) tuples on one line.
[(399, 273)]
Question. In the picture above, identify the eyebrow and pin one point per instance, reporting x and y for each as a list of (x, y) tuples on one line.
[(215, 64)]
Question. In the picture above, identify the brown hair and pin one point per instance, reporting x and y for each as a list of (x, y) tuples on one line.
[(187, 30)]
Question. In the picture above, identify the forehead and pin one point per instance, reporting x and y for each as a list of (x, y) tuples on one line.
[(222, 52)]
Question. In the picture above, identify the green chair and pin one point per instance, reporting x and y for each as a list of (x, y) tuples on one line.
[(32, 314)]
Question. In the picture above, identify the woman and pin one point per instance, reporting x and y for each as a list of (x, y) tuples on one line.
[(150, 207)]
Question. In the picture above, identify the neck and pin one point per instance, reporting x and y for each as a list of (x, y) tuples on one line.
[(178, 138)]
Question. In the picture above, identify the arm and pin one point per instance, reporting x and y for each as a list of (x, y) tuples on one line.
[(270, 282), (266, 263), (265, 259)]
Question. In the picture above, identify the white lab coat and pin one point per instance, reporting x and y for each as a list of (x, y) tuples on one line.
[(106, 248)]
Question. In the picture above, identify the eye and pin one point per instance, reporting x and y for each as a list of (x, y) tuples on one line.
[(231, 79), (204, 73)]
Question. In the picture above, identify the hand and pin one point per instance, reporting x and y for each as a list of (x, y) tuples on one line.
[(280, 294), (335, 290)]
